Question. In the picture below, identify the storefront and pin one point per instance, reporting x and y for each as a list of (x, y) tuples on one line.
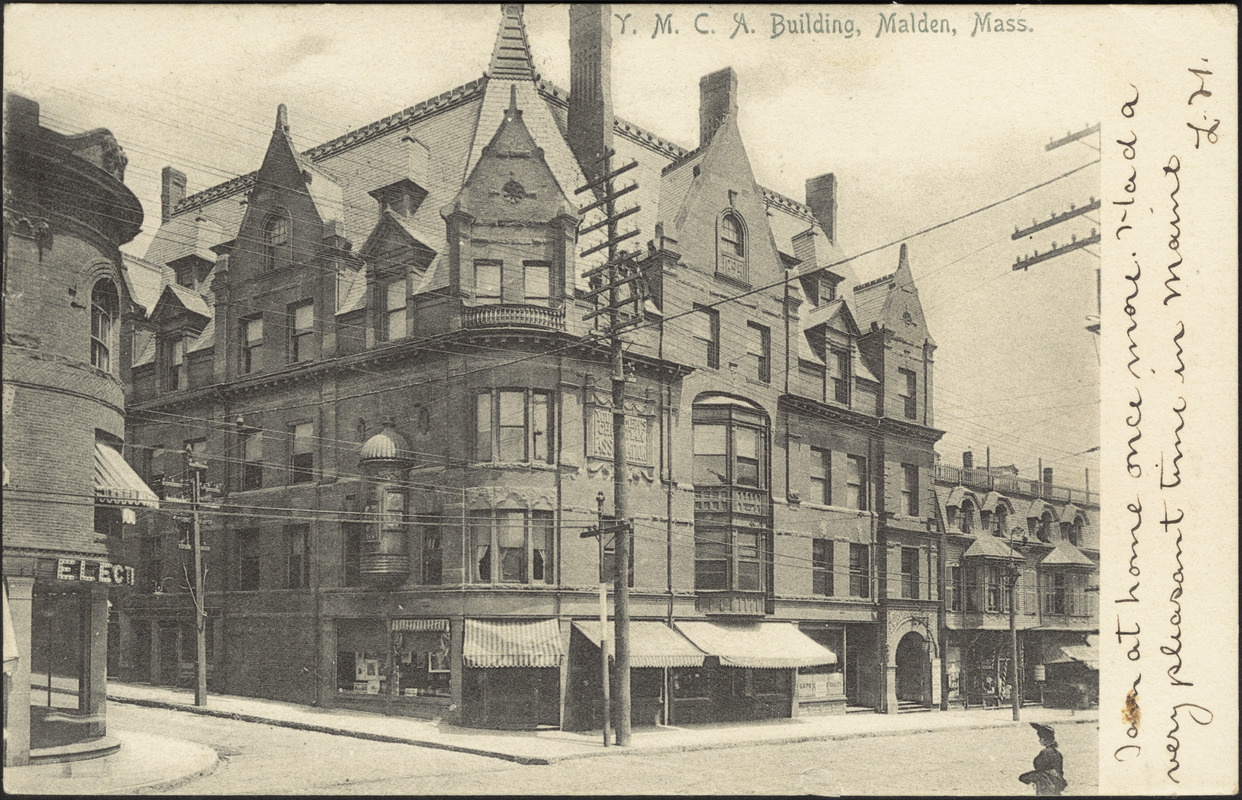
[(1069, 670), (511, 676), (982, 669), (821, 687), (399, 665)]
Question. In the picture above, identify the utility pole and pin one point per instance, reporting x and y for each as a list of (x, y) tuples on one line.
[(1012, 579), (608, 279)]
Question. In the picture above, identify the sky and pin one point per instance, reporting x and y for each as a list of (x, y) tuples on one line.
[(921, 129)]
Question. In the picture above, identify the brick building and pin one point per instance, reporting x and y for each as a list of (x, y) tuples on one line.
[(67, 489), (996, 522), (378, 346)]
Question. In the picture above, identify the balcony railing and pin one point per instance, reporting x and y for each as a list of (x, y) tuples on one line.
[(514, 314), (1009, 484), (726, 499)]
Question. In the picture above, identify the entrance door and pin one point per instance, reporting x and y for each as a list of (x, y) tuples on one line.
[(913, 669)]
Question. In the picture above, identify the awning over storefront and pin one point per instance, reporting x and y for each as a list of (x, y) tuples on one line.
[(420, 625), (512, 643), (116, 483), (1087, 654), (652, 644), (761, 645)]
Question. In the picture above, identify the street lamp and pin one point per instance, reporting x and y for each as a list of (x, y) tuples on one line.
[(1012, 579)]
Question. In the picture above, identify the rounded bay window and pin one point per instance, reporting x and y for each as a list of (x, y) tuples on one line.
[(385, 460)]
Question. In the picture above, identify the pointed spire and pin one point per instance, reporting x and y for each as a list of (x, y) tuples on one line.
[(511, 59), (282, 119)]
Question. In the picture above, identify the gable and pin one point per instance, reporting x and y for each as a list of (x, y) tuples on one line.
[(903, 313), (396, 243)]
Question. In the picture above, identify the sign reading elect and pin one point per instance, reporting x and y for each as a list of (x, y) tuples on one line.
[(80, 569)]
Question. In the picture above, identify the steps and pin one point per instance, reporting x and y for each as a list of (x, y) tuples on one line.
[(911, 707)]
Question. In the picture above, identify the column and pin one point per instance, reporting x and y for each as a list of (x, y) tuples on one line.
[(457, 630), (17, 702), (94, 692)]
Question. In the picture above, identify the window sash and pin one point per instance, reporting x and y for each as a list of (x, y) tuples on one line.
[(299, 552), (821, 566), (488, 281), (252, 330), (821, 476), (511, 546), (432, 555), (910, 572), (860, 566), (856, 483), (513, 425), (910, 492), (707, 330), (395, 302), (302, 453), (537, 282), (761, 347), (252, 461), (248, 574)]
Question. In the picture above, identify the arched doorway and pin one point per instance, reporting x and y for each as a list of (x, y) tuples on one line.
[(913, 669)]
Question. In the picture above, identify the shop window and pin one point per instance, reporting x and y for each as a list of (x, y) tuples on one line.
[(821, 567), (706, 323), (252, 461), (301, 331), (104, 311), (277, 237), (422, 663), (351, 552), (860, 570), (842, 376), (511, 546), (761, 349), (488, 280), (513, 425), (954, 591), (302, 453), (910, 489), (432, 556), (297, 538), (395, 302), (910, 585), (731, 247), (856, 483), (909, 393), (820, 476), (537, 282), (246, 559), (252, 344), (364, 656)]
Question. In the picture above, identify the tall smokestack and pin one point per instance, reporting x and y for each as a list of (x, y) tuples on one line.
[(172, 192), (717, 100), (590, 85)]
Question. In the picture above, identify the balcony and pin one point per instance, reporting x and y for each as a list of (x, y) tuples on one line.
[(1010, 485), (731, 500), (513, 314)]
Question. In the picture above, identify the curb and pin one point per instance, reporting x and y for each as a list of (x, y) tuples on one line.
[(548, 760), (172, 783)]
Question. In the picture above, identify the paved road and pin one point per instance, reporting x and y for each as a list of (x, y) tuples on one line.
[(264, 759)]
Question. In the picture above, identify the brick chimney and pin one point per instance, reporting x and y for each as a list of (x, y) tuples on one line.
[(590, 84), (968, 460), (821, 198), (172, 191), (717, 100), (1048, 475)]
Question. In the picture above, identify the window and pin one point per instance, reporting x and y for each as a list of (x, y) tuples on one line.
[(910, 394), (150, 562), (513, 425), (841, 378), (297, 538), (1000, 519), (537, 284), (910, 572), (910, 489), (302, 317), (821, 567), (994, 589), (252, 460), (1056, 594), (955, 589), (1045, 527), (761, 348), (351, 552), (104, 309), (711, 558), (433, 556), (177, 373), (856, 483), (821, 476), (860, 570), (302, 453), (711, 454), (511, 546), (745, 465), (1075, 531), (277, 233), (246, 560), (608, 569), (488, 280), (966, 517), (394, 310), (731, 249), (252, 344), (707, 331)]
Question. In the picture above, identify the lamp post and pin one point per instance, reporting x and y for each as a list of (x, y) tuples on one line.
[(1012, 578)]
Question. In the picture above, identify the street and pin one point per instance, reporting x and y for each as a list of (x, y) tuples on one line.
[(265, 759)]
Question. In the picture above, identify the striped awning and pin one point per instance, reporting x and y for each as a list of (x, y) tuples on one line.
[(419, 625), (512, 643), (1087, 654), (116, 483), (759, 645), (652, 644)]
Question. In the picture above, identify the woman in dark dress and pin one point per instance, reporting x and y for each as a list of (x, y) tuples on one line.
[(1047, 777)]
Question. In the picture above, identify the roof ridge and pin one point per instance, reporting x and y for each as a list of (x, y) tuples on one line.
[(874, 282), (511, 58)]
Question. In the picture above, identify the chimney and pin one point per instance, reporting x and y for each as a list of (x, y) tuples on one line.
[(1048, 475), (717, 100), (968, 460), (590, 85), (821, 198), (172, 191)]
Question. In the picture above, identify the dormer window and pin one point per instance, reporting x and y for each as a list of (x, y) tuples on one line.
[(104, 307), (178, 377), (731, 248), (277, 234), (394, 310)]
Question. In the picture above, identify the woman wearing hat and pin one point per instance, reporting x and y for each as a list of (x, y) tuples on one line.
[(1047, 776)]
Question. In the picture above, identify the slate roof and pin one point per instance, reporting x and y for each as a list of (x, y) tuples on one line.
[(1066, 555), (986, 546), (144, 279)]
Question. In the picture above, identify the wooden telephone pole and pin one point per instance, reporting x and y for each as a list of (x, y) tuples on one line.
[(608, 280)]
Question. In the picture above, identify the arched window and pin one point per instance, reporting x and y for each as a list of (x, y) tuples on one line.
[(277, 235), (104, 309), (731, 248)]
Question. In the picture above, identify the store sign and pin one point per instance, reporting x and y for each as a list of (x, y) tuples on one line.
[(81, 569)]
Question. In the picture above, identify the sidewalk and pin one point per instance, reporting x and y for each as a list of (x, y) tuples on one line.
[(547, 747), (145, 763)]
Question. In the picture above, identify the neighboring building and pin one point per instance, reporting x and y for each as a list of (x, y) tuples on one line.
[(378, 346), (67, 488), (1055, 537)]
